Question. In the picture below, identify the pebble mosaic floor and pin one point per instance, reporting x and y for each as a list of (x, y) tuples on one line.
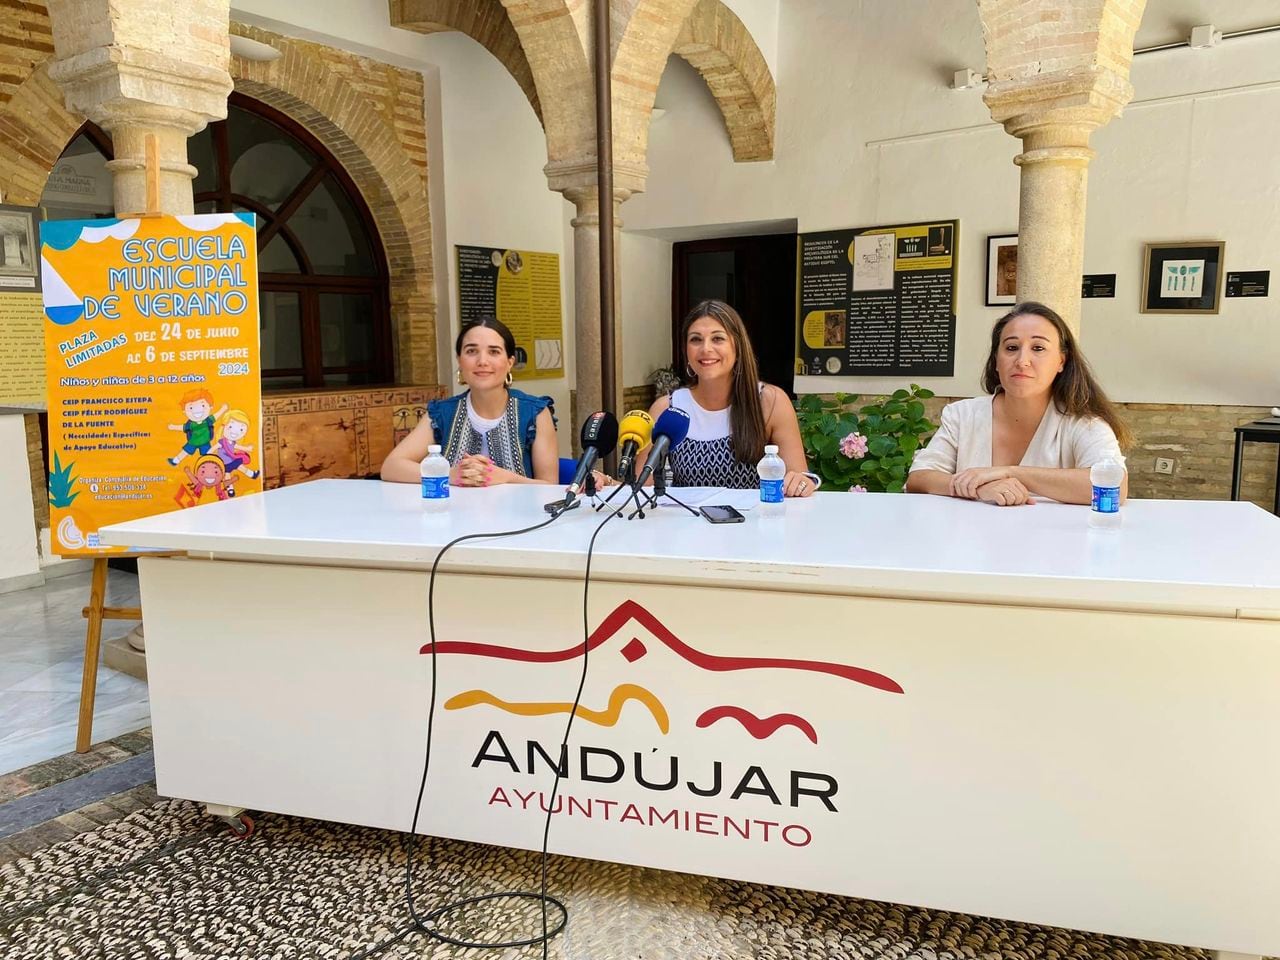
[(116, 887)]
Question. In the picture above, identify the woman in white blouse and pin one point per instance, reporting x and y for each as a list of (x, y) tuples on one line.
[(1045, 423)]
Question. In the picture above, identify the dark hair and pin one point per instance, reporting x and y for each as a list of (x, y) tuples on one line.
[(746, 417), (490, 323), (1075, 391)]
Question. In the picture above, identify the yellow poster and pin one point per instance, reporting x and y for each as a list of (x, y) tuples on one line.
[(522, 289), (154, 389)]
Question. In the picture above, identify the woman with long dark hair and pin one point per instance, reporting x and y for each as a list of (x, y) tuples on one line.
[(732, 413), (1045, 423), (491, 433)]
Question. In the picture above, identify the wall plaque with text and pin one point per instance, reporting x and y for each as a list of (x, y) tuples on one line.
[(878, 301)]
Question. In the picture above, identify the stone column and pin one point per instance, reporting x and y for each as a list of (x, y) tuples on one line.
[(135, 73), (1056, 73), (137, 69), (1052, 204), (578, 184)]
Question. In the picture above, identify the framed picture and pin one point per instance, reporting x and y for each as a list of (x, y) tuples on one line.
[(1182, 277), (19, 248), (1002, 270)]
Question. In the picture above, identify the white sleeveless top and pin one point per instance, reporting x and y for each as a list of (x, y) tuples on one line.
[(705, 458)]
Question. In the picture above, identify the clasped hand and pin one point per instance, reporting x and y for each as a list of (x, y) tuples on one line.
[(477, 470), (995, 485)]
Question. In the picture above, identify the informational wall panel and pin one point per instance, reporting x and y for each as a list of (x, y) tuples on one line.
[(522, 289), (878, 301)]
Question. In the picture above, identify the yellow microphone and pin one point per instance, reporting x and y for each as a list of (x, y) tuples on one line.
[(634, 432)]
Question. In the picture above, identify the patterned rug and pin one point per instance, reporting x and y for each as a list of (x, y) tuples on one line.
[(164, 882)]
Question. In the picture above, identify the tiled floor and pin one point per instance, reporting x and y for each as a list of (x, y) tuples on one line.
[(41, 657)]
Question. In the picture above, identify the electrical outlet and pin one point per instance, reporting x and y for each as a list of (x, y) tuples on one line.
[(1165, 465)]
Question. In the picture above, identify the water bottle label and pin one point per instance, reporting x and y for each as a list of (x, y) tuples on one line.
[(1106, 499), (770, 491), (435, 488)]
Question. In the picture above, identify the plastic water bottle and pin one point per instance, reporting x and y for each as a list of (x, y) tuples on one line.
[(772, 470), (435, 481), (1106, 476)]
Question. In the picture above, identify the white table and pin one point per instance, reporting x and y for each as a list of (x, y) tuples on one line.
[(995, 711)]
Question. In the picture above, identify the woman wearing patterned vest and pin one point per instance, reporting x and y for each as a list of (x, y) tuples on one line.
[(732, 413), (490, 432)]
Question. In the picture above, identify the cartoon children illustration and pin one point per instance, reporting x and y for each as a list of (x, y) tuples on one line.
[(209, 474), (198, 427), (234, 454)]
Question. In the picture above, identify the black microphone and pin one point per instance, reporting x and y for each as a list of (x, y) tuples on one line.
[(669, 431), (599, 437)]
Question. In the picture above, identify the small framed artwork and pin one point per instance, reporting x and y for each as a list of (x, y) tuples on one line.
[(1184, 277), (19, 248), (1002, 270)]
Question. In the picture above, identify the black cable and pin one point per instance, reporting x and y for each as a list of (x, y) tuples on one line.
[(420, 923), (573, 712), (412, 841)]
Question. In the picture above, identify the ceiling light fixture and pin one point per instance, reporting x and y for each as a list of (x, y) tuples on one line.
[(254, 50)]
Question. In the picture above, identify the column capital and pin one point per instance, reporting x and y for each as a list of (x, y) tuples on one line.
[(1057, 113), (577, 180), (116, 86)]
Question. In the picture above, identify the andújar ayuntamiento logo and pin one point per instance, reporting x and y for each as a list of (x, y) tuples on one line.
[(669, 738)]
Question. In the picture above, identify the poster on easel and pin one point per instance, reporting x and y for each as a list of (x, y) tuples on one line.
[(878, 301), (152, 372), (522, 289)]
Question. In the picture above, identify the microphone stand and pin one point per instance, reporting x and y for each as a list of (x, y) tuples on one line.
[(659, 490), (620, 485)]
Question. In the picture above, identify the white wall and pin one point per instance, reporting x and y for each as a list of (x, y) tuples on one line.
[(646, 306), (495, 189), (18, 556), (486, 151), (869, 133)]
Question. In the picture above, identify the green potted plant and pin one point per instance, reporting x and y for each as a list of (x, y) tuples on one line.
[(865, 449)]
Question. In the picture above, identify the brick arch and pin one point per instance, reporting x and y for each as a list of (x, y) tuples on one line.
[(36, 127), (554, 37), (484, 21), (638, 63), (390, 173), (720, 47)]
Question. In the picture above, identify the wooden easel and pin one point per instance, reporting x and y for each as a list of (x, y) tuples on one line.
[(96, 611)]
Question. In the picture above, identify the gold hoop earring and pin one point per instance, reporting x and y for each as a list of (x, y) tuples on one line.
[(510, 378), (688, 372), (461, 382)]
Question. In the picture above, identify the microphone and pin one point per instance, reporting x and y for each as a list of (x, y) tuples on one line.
[(669, 431), (633, 433), (599, 437)]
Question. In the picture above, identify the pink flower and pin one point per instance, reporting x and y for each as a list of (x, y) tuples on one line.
[(857, 488), (854, 446)]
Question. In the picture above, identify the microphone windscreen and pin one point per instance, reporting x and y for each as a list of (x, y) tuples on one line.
[(673, 423), (636, 425), (600, 431)]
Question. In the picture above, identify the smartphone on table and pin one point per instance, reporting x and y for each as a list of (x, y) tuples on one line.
[(721, 514)]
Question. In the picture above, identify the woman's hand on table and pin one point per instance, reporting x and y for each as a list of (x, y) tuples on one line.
[(1008, 492), (966, 483), (473, 470), (796, 484)]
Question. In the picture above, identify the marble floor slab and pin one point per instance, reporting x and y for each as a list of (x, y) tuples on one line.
[(41, 659)]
